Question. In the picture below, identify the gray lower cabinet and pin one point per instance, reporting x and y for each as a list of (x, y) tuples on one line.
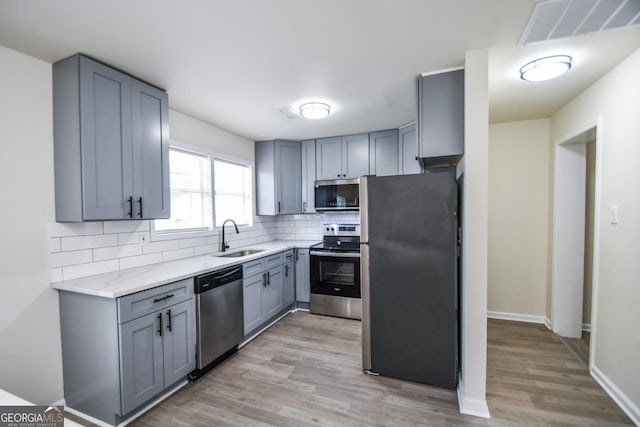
[(302, 276), (278, 177), (441, 116), (308, 152), (265, 284), (342, 157), (157, 350), (383, 152), (111, 144), (120, 353), (289, 279), (408, 150)]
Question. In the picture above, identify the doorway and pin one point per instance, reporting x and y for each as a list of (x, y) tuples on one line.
[(576, 229)]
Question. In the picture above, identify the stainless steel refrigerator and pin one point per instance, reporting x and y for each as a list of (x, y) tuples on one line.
[(409, 273)]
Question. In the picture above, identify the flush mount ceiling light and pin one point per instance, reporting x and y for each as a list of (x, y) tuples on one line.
[(314, 110), (546, 68)]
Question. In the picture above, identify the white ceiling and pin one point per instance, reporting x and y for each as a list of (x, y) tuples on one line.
[(235, 63)]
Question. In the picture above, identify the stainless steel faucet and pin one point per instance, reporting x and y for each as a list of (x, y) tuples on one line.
[(225, 244)]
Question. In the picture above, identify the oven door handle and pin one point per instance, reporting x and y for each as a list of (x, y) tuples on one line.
[(336, 254)]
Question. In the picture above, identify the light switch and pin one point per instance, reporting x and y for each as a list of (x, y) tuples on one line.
[(613, 214)]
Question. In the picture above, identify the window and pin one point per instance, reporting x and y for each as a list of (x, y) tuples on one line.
[(232, 192), (191, 205)]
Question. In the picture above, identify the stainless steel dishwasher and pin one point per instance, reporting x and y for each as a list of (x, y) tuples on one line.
[(219, 317)]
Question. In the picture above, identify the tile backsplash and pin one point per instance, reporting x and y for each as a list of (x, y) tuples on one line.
[(87, 248)]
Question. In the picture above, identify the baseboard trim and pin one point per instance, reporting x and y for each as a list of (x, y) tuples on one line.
[(547, 323), (474, 407), (130, 419), (87, 417), (517, 317), (617, 395)]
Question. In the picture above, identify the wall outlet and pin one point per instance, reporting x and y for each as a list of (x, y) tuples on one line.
[(144, 238), (613, 214)]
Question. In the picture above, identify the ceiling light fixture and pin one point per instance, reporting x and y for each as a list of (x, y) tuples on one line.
[(546, 68), (314, 110)]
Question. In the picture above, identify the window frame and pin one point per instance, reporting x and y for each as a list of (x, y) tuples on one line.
[(159, 236)]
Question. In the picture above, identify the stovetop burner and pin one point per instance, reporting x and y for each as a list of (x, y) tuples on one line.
[(340, 238)]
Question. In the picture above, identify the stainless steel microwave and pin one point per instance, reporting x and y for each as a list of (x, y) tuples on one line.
[(336, 195)]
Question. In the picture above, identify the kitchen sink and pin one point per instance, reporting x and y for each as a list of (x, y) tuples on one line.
[(239, 254)]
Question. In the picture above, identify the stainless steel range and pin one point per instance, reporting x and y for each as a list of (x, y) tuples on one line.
[(335, 272)]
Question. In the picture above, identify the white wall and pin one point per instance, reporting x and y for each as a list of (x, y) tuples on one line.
[(30, 355), (473, 363), (616, 99), (519, 156)]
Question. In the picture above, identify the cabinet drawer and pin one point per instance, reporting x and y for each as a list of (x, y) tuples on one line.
[(145, 302), (251, 268), (288, 256), (273, 261)]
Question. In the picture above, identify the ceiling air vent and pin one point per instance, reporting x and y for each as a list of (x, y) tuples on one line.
[(557, 19), (289, 112)]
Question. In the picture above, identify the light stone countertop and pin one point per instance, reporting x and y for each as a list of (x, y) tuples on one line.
[(125, 282)]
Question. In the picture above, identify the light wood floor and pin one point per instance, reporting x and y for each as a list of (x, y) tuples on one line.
[(306, 370)]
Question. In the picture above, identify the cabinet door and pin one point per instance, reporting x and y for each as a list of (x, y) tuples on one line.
[(355, 156), (273, 298), (302, 275), (441, 114), (105, 111), (150, 151), (179, 341), (288, 177), (383, 153), (308, 149), (252, 301), (408, 162), (141, 360), (289, 284), (329, 158)]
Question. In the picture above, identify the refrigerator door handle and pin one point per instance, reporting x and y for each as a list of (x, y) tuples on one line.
[(366, 314), (364, 209)]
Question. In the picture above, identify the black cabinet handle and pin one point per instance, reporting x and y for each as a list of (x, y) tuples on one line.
[(163, 298), (140, 202), (160, 324), (268, 279), (338, 175), (278, 207), (264, 280), (169, 320), (286, 270), (130, 201)]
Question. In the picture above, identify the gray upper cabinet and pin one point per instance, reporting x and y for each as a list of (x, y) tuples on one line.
[(308, 151), (441, 116), (408, 150), (383, 152), (111, 144), (150, 153), (355, 156), (329, 158), (278, 177), (342, 157)]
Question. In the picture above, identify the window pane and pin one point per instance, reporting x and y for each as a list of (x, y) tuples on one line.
[(233, 192), (190, 182)]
